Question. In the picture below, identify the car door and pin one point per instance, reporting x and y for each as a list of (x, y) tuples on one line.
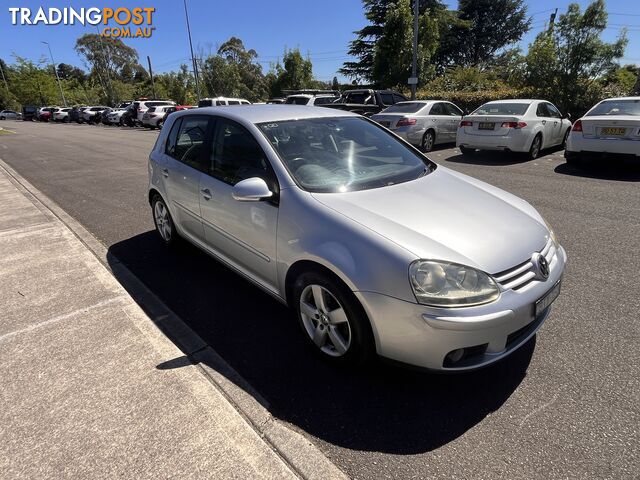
[(544, 117), (455, 115), (439, 120), (556, 118), (184, 160), (242, 233)]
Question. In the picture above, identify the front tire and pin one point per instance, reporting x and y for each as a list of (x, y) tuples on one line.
[(332, 320), (163, 221), (428, 141)]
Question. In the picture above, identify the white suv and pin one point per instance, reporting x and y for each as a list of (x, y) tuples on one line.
[(309, 99), (88, 112), (143, 106), (155, 115), (222, 101)]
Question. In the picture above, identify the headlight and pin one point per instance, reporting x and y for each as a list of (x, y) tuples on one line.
[(442, 284), (552, 234)]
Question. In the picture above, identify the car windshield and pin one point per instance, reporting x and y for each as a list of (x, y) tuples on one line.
[(617, 107), (343, 154), (502, 109), (297, 100), (404, 107)]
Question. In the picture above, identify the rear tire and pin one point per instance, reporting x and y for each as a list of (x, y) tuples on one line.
[(428, 141), (536, 146), (332, 320), (165, 228), (564, 140), (467, 150)]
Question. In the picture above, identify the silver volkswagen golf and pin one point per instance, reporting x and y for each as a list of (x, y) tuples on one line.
[(378, 249)]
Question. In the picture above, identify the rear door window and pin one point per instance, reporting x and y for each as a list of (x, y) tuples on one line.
[(387, 98), (542, 111), (185, 142)]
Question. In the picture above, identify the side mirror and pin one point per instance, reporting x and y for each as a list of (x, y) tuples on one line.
[(568, 116), (251, 190)]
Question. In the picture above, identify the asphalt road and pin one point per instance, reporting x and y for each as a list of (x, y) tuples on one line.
[(564, 406)]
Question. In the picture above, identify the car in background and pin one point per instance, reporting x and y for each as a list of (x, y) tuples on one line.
[(140, 107), (10, 115), (610, 130), (516, 125), (154, 116), (61, 115), (222, 101), (311, 99), (45, 113), (318, 207), (115, 115), (366, 102), (422, 123), (29, 113), (92, 114), (276, 101), (74, 113)]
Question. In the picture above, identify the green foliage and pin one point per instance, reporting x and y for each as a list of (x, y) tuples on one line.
[(394, 49), (109, 59), (487, 26), (296, 72), (470, 100), (569, 64)]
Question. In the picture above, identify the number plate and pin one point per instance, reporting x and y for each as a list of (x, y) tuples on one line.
[(616, 132), (486, 126), (547, 300)]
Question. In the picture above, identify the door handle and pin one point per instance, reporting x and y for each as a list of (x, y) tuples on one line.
[(165, 172), (206, 193), (544, 122)]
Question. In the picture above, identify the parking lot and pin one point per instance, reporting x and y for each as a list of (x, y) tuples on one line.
[(567, 405)]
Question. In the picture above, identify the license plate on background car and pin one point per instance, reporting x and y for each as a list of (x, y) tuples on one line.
[(486, 126), (616, 132), (547, 300)]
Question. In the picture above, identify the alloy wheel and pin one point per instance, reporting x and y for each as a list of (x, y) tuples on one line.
[(163, 220), (427, 142), (325, 320), (535, 147)]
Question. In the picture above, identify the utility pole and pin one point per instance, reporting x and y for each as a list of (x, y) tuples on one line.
[(193, 60), (414, 67), (153, 86), (55, 70), (552, 20)]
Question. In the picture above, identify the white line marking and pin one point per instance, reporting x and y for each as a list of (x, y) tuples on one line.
[(60, 318), (539, 409)]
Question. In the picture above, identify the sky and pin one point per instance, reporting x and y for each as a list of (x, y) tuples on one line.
[(321, 30)]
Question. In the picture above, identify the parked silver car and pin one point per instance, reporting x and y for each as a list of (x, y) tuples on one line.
[(423, 123), (378, 249)]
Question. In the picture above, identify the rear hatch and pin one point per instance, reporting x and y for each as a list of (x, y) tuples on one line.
[(625, 127), (489, 125)]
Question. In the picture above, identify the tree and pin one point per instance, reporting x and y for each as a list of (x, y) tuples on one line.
[(334, 84), (569, 63), (487, 26), (394, 49), (108, 57), (67, 72), (296, 73), (636, 87), (367, 38)]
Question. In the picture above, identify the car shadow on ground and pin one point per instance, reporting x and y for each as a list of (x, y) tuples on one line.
[(603, 170), (491, 159), (385, 408)]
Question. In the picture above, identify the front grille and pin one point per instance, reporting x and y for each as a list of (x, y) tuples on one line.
[(523, 274)]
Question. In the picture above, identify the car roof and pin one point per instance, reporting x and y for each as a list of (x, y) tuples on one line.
[(516, 100), (621, 98), (270, 113)]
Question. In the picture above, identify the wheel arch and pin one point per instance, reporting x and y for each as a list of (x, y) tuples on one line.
[(302, 266)]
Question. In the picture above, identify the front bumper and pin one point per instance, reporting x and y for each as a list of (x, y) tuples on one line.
[(425, 336)]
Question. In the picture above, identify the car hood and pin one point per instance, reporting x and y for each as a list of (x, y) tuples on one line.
[(448, 216)]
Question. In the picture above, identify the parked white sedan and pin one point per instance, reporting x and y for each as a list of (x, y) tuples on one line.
[(423, 123), (513, 126), (61, 115), (611, 129)]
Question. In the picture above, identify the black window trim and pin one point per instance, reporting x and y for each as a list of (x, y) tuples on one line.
[(211, 138), (202, 161)]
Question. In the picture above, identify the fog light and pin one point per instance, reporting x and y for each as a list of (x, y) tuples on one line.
[(455, 355)]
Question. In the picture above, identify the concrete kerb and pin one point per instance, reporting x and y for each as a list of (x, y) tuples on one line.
[(301, 455)]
